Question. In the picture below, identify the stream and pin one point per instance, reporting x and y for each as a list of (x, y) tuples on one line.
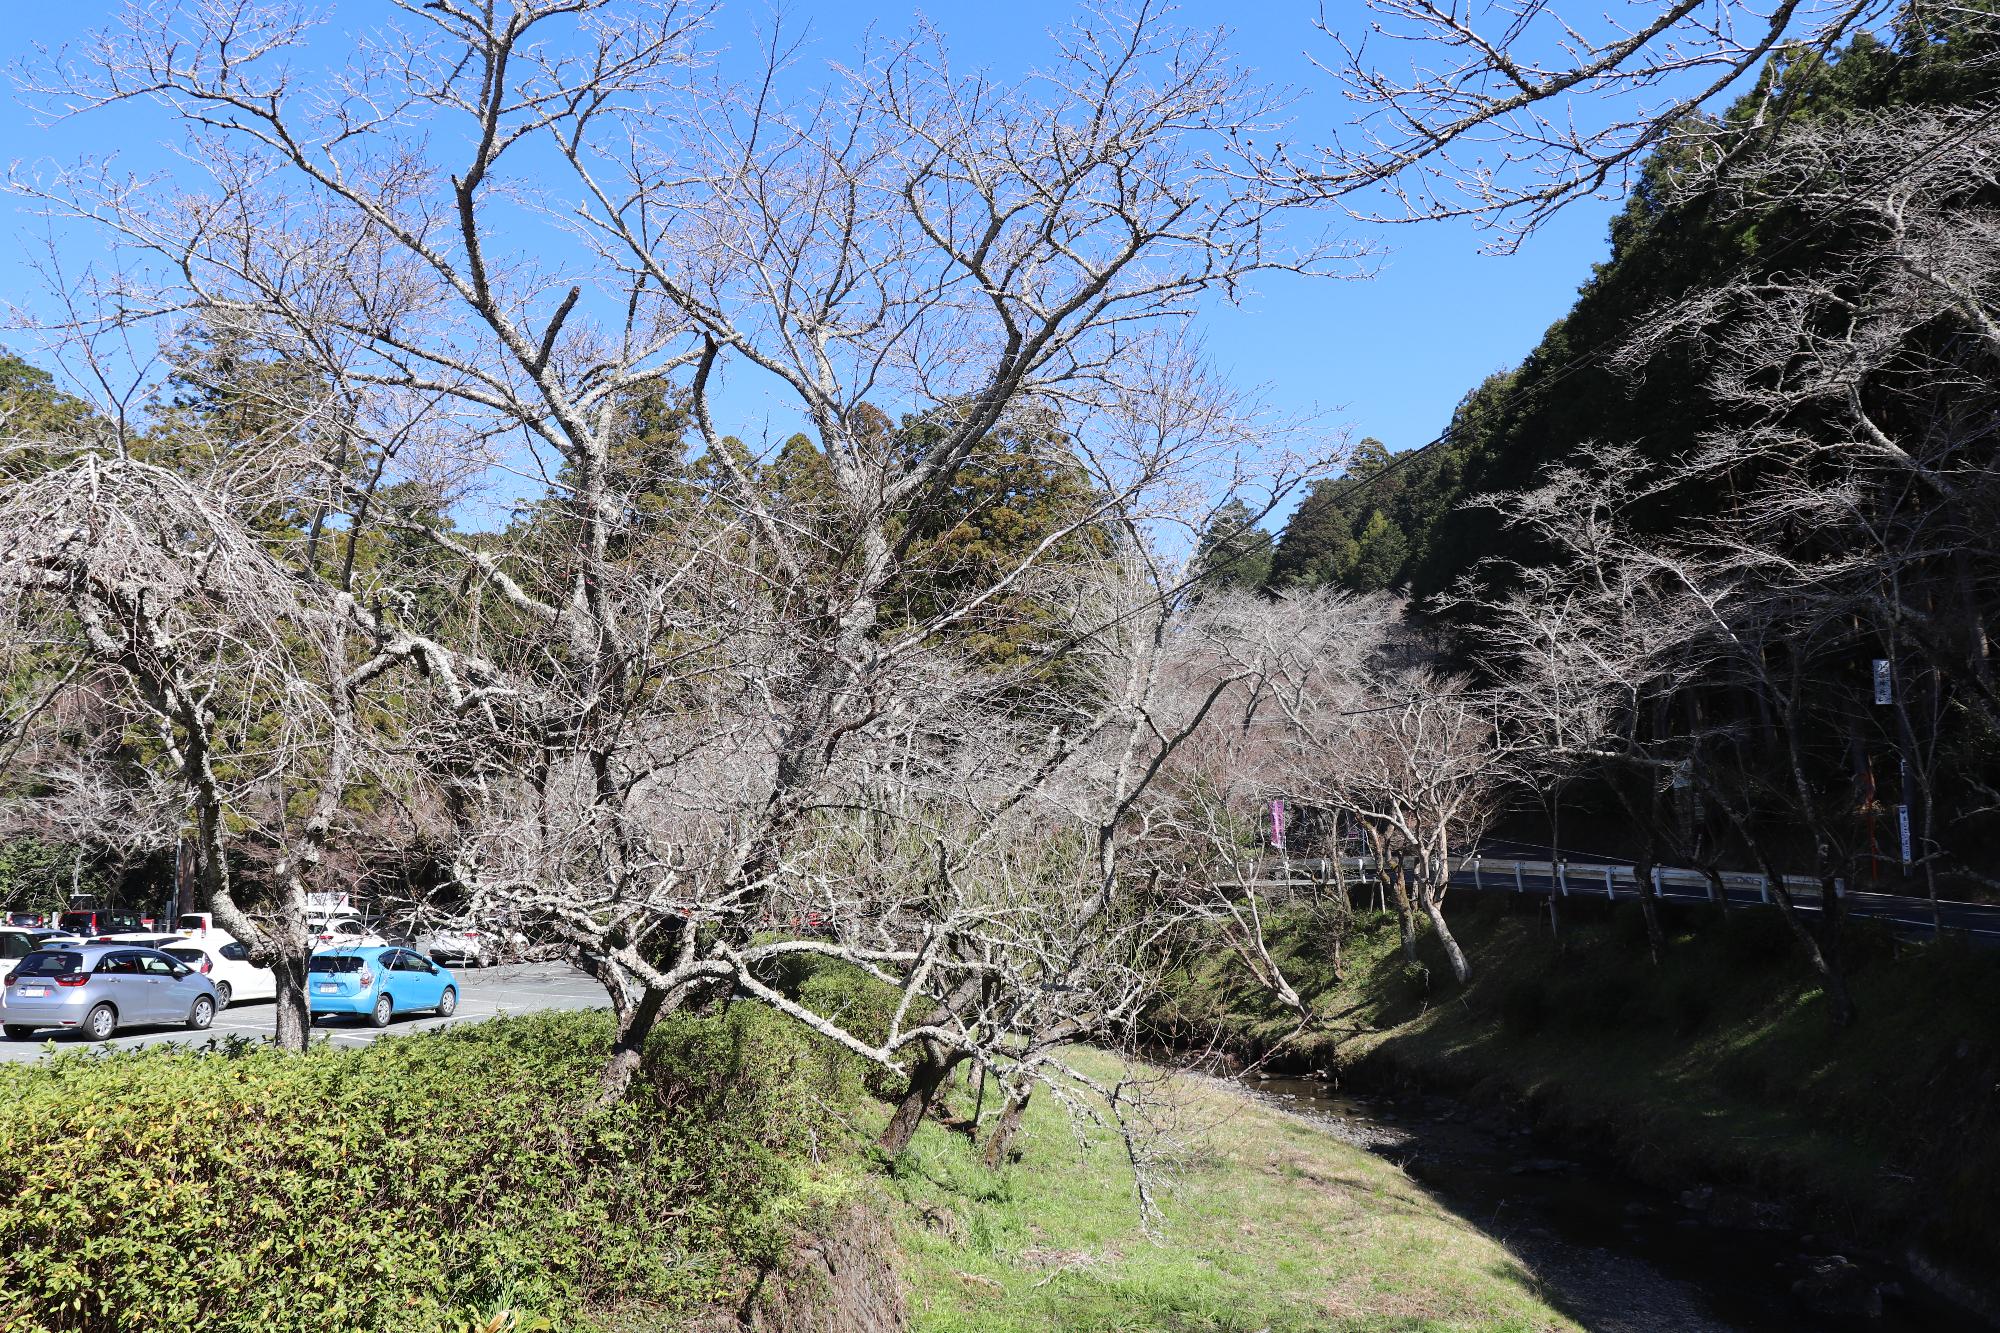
[(1619, 1256)]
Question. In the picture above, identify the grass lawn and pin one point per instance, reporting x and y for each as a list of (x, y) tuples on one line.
[(1268, 1224)]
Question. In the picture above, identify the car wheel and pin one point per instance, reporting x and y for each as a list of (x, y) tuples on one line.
[(203, 1013), (101, 1023), (19, 1031), (222, 993), (448, 1002), (385, 1009)]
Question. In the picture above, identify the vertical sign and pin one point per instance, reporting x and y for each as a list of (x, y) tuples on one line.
[(1278, 824), (1882, 685), (1903, 824)]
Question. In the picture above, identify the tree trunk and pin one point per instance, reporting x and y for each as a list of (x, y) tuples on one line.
[(929, 1075), (628, 1045), (1002, 1138), (1399, 892), (1642, 876), (1434, 909), (291, 1015), (1832, 910)]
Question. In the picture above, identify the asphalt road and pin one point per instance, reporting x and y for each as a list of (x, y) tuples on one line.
[(483, 993)]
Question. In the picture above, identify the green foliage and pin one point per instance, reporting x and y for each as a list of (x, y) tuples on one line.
[(1020, 494), (1368, 530), (851, 998), (32, 408), (1232, 552), (36, 876), (440, 1181)]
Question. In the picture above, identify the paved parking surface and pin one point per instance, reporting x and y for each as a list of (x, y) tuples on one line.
[(483, 993)]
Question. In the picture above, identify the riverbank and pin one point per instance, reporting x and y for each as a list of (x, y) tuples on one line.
[(1268, 1222), (1715, 1070)]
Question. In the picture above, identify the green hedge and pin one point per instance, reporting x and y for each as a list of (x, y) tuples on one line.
[(407, 1185)]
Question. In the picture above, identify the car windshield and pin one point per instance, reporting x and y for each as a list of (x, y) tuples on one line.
[(194, 956), (78, 920), (51, 963), (336, 962), (190, 923)]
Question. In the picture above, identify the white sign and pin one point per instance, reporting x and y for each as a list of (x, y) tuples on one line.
[(1903, 824), (1883, 689)]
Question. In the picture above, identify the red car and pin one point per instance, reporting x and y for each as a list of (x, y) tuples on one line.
[(89, 924)]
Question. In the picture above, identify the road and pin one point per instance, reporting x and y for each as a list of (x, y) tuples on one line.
[(483, 993)]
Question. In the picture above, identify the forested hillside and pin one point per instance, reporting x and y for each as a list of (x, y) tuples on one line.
[(1726, 531), (1410, 530)]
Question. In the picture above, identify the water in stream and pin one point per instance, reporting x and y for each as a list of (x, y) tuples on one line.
[(1617, 1255)]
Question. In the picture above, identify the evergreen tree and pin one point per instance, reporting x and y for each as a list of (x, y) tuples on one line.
[(1233, 553)]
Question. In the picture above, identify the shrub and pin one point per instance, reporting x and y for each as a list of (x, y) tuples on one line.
[(400, 1186)]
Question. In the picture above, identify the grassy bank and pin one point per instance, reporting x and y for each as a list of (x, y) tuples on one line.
[(1718, 1064), (421, 1183), (1267, 1224), (464, 1180)]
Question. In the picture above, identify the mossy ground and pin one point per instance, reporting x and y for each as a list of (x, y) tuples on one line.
[(1717, 1062), (1267, 1223)]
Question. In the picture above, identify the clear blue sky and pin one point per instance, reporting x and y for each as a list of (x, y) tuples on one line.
[(1389, 357)]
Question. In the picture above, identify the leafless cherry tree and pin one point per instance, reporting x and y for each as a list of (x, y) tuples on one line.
[(249, 681), (683, 696), (1507, 114)]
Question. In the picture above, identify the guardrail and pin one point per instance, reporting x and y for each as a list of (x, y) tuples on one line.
[(1594, 879), (1576, 877)]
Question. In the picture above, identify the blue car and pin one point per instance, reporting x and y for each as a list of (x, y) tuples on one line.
[(378, 983)]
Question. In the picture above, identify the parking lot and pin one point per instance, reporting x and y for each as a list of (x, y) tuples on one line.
[(483, 993)]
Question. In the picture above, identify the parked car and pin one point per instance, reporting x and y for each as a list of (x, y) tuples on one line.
[(148, 939), (26, 920), (377, 983), (344, 932), (225, 962), (99, 988), (17, 944), (91, 922), (461, 944)]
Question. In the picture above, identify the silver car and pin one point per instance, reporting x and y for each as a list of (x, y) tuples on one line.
[(99, 988)]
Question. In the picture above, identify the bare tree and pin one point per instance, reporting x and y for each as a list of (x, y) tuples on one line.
[(246, 678), (1857, 395), (1511, 113), (493, 234)]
